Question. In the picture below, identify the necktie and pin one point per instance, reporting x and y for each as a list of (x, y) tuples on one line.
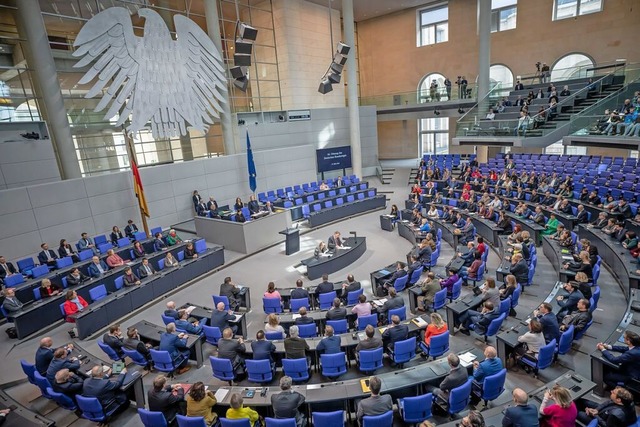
[(148, 269), (48, 255), (5, 268)]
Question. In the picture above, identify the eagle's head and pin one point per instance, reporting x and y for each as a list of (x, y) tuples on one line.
[(154, 24)]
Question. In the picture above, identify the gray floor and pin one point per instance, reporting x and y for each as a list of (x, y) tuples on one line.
[(273, 265)]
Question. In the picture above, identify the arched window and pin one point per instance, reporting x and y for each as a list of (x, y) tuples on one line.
[(501, 74), (425, 92), (27, 112), (572, 66)]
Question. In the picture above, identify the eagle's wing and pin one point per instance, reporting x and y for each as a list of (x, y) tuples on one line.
[(204, 78), (109, 38)]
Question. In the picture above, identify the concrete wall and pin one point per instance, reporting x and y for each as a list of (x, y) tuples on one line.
[(48, 212)]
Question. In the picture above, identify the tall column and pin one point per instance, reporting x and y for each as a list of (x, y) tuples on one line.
[(484, 52), (213, 29), (352, 88), (43, 69)]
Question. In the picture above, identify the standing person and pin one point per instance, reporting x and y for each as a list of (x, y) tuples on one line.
[(287, 403), (463, 86), (376, 404), (447, 86), (168, 399)]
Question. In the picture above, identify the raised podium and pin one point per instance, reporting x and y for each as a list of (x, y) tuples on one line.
[(292, 240)]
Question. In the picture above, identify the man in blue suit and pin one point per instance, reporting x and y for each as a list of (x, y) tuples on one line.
[(263, 349), (61, 361), (481, 320), (47, 256), (107, 391), (569, 303), (395, 332), (97, 267), (44, 355), (628, 362), (177, 347), (549, 321), (86, 242), (221, 318), (523, 414), (489, 366), (183, 323)]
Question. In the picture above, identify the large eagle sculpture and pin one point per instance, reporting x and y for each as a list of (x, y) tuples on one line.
[(168, 83)]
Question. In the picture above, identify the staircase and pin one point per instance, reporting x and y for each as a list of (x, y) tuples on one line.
[(387, 175)]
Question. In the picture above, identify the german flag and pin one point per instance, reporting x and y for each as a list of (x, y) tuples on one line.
[(137, 186)]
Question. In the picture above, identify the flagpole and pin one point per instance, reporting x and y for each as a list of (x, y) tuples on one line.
[(131, 153)]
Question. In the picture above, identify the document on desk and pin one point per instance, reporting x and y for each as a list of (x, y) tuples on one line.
[(361, 336), (567, 258), (221, 394), (466, 359), (420, 322), (384, 328), (380, 302), (385, 272), (190, 309), (295, 316), (237, 317)]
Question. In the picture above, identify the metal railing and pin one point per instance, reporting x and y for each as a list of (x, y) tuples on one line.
[(419, 97)]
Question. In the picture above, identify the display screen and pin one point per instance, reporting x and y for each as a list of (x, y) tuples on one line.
[(335, 158)]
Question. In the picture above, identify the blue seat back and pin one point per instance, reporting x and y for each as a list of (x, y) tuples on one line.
[(13, 280), (119, 282), (439, 344), (152, 418), (64, 262), (26, 265), (161, 264), (370, 360), (185, 421), (363, 321), (439, 299), (220, 298), (326, 300), (243, 422), (400, 312), (384, 420), (123, 242), (297, 303), (546, 354), (36, 294), (99, 240), (109, 351), (333, 364), (222, 369), (505, 305), (135, 356), (274, 335), (140, 236), (335, 418), (308, 330), (162, 360), (494, 385), (85, 255), (42, 384), (297, 369), (400, 283), (339, 326), (352, 297), (62, 400), (515, 296), (259, 371), (155, 231), (39, 271), (459, 397), (211, 334), (405, 350), (200, 246), (415, 276), (596, 295), (271, 305), (104, 247), (98, 293), (456, 290), (579, 334), (29, 370), (494, 326), (180, 255), (280, 422), (91, 408), (167, 319), (566, 339), (415, 409)]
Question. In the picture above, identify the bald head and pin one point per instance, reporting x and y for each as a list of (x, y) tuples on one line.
[(220, 306), (46, 342), (97, 372), (520, 396), (490, 352), (171, 305), (62, 376)]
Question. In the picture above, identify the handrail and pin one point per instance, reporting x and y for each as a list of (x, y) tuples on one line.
[(498, 85)]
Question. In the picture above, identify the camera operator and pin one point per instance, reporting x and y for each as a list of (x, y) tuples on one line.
[(545, 73)]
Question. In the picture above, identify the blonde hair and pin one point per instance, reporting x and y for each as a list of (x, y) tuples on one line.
[(436, 319), (562, 396), (581, 277), (272, 319), (584, 256)]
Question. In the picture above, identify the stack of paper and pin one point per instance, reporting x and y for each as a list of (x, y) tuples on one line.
[(380, 302), (221, 394), (420, 322), (467, 358), (190, 309)]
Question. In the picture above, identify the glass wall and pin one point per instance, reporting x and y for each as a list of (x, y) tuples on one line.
[(434, 135)]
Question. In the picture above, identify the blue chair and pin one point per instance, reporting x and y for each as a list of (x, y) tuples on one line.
[(515, 296), (119, 282), (39, 271), (280, 422), (167, 319), (160, 264), (85, 255), (308, 330), (333, 365), (259, 371), (64, 262), (297, 369), (400, 283), (438, 345), (492, 387), (596, 296), (370, 360), (401, 312), (184, 421), (92, 409), (479, 274), (29, 370), (100, 239), (42, 383), (352, 297), (162, 361), (103, 248), (415, 276), (274, 335), (152, 418), (222, 369), (121, 243), (384, 420), (579, 334), (339, 326), (458, 398), (439, 300), (326, 300), (26, 265), (98, 293), (545, 358), (363, 321), (596, 274), (297, 303), (211, 334), (404, 351), (492, 329), (180, 255), (36, 294), (415, 409), (333, 419), (505, 305), (13, 280), (136, 357), (566, 339), (243, 422), (109, 351), (200, 246), (456, 290), (271, 305), (62, 400), (219, 298), (139, 236)]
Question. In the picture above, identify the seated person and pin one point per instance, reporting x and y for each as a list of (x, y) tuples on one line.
[(166, 398), (549, 322), (190, 251), (335, 242), (429, 287), (273, 324), (190, 327), (113, 339), (47, 256), (176, 345), (376, 404), (238, 411), (371, 341), (138, 250), (299, 291), (437, 327), (330, 344), (320, 249), (76, 277), (471, 272), (336, 312), (158, 243), (133, 342), (351, 285), (272, 292), (296, 347), (393, 301), (221, 318), (263, 349), (481, 320), (562, 413), (288, 403), (579, 319), (73, 304), (394, 333), (129, 278), (116, 234), (170, 261), (47, 289), (619, 410), (97, 267), (400, 272), (233, 350), (628, 361), (523, 413), (456, 377), (67, 383), (448, 282), (253, 205), (61, 360), (107, 391), (304, 319), (491, 365), (530, 343), (66, 250), (200, 403), (145, 270), (324, 287), (240, 217), (173, 238), (569, 303)]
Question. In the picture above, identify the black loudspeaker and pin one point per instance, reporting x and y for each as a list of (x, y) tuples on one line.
[(340, 59), (343, 49), (336, 68), (241, 83), (243, 47), (325, 86), (241, 59), (247, 32), (238, 72), (334, 77)]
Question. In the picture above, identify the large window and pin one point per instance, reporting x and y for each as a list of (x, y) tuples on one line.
[(502, 75), (432, 89), (558, 148), (433, 25), (572, 66), (434, 136), (503, 15), (563, 9)]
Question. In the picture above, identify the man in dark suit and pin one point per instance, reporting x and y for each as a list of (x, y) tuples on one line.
[(481, 320), (522, 414), (168, 399), (569, 303), (303, 319), (6, 268), (617, 411), (107, 391), (548, 199), (133, 342), (145, 269), (622, 210), (371, 342), (113, 339), (61, 361), (130, 229), (456, 377), (44, 355), (400, 272), (519, 268), (579, 319), (628, 361), (47, 256), (336, 312), (68, 383), (600, 222), (415, 264), (287, 403), (171, 310), (535, 197), (549, 322), (350, 285), (190, 326), (394, 333), (212, 205), (97, 267), (221, 318), (582, 215), (296, 347), (263, 349), (232, 292), (393, 301), (324, 286), (334, 242), (177, 347), (11, 303), (231, 349), (299, 291)]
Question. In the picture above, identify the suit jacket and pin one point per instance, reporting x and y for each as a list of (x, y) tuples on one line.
[(130, 279), (583, 218), (457, 377), (396, 275), (159, 244), (391, 303), (230, 291), (93, 269), (394, 334), (521, 271), (65, 251), (580, 320), (521, 416), (230, 349), (486, 368), (299, 293), (286, 404), (44, 356), (11, 305), (329, 345), (413, 267), (137, 345), (353, 286), (263, 349), (59, 364), (165, 401), (599, 223), (612, 415), (485, 320), (570, 302), (333, 242), (115, 343), (303, 320), (550, 328), (142, 272), (73, 281), (42, 256), (104, 389), (221, 319), (188, 327), (130, 229), (11, 270), (172, 344), (84, 243), (628, 360), (115, 236), (374, 405), (337, 313), (172, 313), (548, 201), (369, 344), (71, 388), (295, 348), (323, 288)]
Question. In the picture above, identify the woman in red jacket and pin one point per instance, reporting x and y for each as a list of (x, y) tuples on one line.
[(72, 305), (436, 327)]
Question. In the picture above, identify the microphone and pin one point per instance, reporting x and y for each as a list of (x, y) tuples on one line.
[(355, 236)]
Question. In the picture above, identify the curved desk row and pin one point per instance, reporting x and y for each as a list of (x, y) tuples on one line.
[(21, 416), (569, 221), (340, 259), (346, 210), (296, 211), (120, 303)]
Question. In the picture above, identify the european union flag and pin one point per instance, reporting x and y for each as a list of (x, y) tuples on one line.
[(251, 165)]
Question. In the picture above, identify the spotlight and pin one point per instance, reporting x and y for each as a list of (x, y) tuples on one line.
[(343, 49), (339, 59), (247, 32), (243, 47), (333, 73), (436, 112), (325, 86), (336, 68), (460, 110), (241, 59)]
